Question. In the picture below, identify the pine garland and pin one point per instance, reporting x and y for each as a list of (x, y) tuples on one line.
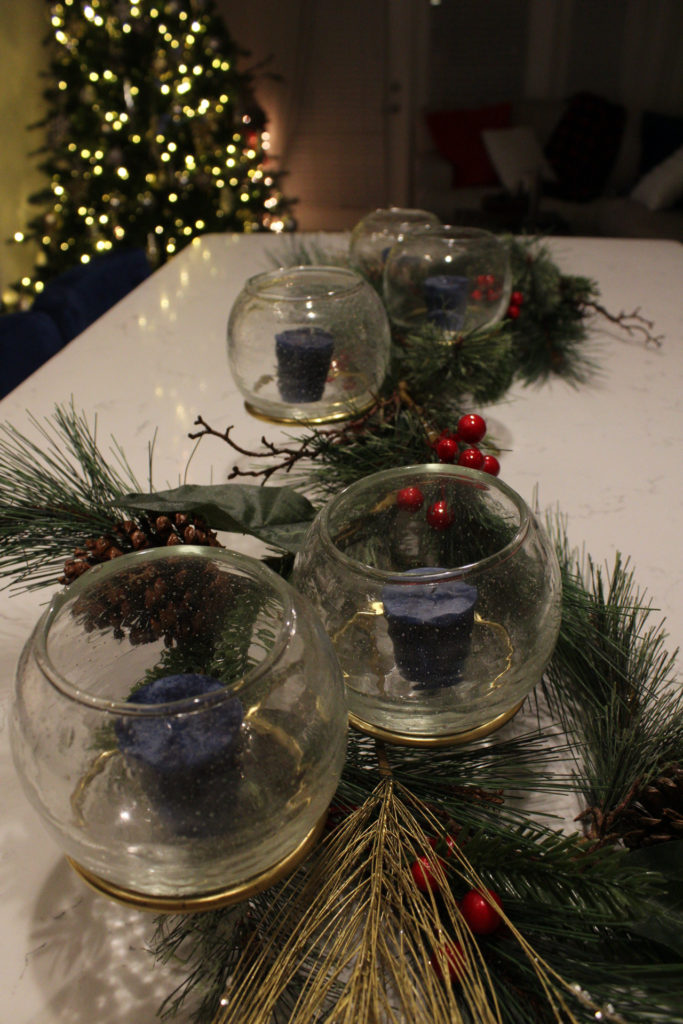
[(431, 383), (578, 942)]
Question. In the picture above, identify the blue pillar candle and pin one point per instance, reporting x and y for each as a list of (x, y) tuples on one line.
[(446, 296), (303, 355), (430, 626), (185, 761)]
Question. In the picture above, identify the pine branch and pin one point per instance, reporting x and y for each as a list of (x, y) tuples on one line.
[(444, 376), (550, 332), (611, 685), (55, 491), (369, 929)]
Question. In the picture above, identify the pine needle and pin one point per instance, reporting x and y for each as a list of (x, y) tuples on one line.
[(360, 942), (55, 490), (611, 683)]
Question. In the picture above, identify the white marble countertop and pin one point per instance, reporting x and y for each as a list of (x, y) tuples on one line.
[(608, 455)]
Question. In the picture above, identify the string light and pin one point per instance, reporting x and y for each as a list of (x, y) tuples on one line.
[(198, 172)]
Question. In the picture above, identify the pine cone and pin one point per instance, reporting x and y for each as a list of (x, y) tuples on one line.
[(655, 814), (179, 603), (150, 531)]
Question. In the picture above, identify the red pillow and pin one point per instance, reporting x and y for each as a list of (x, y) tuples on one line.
[(457, 136)]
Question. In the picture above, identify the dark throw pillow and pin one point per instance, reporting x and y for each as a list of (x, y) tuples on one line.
[(660, 136), (584, 145)]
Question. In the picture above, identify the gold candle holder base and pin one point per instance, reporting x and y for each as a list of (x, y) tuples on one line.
[(428, 740), (203, 901), (310, 421)]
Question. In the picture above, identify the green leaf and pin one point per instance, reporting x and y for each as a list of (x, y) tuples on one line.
[(666, 859), (276, 515), (662, 919)]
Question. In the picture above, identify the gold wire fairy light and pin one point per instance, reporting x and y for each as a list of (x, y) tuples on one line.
[(356, 939)]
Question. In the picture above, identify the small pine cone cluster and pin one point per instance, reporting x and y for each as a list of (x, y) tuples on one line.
[(655, 815), (179, 603), (150, 531)]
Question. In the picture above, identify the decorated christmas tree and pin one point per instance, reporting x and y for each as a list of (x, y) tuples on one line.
[(152, 135)]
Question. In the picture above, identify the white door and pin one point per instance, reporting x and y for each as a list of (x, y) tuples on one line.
[(352, 108)]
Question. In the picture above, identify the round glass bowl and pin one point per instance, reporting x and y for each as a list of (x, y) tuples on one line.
[(374, 235), (179, 725), (442, 596), (308, 344), (457, 279)]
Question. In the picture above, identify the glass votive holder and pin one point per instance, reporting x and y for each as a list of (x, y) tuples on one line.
[(179, 725), (308, 344), (442, 596), (374, 235), (456, 278)]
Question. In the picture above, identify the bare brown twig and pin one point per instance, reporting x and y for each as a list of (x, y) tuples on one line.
[(382, 411), (288, 456), (633, 323)]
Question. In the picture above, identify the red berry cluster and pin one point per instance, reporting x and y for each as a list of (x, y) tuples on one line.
[(487, 288), (439, 515), (516, 303), (479, 911), (461, 446)]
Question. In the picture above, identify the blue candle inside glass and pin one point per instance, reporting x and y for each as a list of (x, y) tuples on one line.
[(303, 355), (185, 761), (446, 296), (430, 625)]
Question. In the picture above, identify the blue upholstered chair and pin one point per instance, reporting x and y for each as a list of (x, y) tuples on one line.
[(80, 295), (27, 340), (69, 304)]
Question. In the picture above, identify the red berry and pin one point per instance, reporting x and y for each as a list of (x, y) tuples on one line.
[(477, 295), (516, 299), (450, 960), (444, 841), (471, 458), (471, 428), (482, 918), (447, 449), (493, 294), (513, 312), (422, 871), (410, 497), (481, 280), (491, 465), (439, 515)]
